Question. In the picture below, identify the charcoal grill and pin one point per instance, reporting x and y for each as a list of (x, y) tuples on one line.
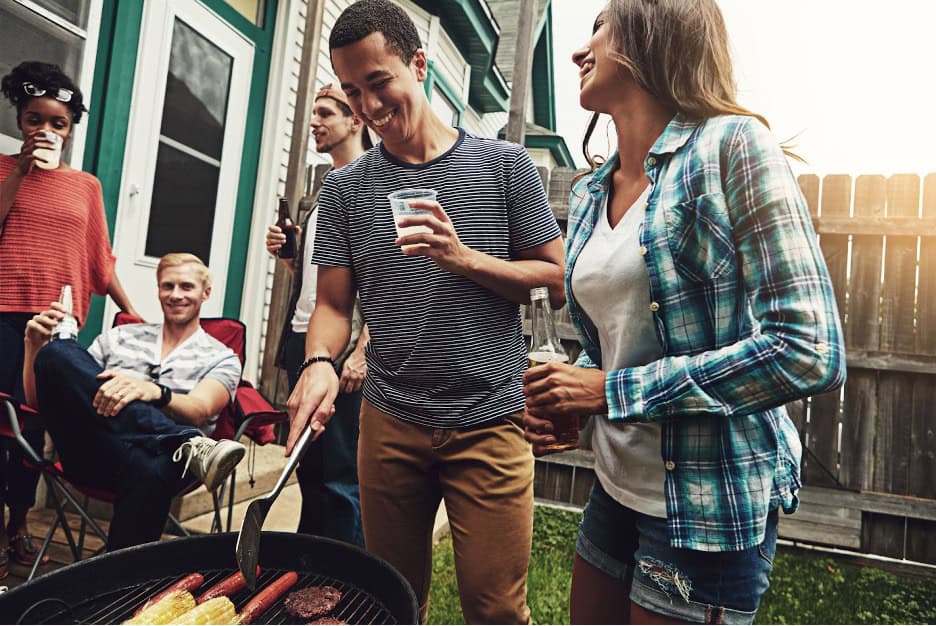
[(108, 588)]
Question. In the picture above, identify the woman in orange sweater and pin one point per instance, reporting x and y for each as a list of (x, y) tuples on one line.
[(53, 232)]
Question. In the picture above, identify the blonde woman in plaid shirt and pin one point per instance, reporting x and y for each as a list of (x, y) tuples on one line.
[(703, 305)]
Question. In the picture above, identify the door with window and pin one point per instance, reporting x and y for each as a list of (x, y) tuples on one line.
[(184, 148)]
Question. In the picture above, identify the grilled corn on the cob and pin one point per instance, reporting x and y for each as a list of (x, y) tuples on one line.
[(218, 610), (166, 610)]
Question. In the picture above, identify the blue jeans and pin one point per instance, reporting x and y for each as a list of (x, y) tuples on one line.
[(17, 482), (690, 585), (328, 473), (129, 454)]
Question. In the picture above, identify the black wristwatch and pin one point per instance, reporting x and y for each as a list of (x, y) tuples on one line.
[(164, 398)]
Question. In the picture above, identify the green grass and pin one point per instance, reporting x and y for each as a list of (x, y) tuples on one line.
[(806, 588)]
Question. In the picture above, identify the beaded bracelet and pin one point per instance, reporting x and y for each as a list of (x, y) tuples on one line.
[(314, 359)]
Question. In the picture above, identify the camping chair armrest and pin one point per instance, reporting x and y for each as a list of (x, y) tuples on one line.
[(253, 412), (15, 412)]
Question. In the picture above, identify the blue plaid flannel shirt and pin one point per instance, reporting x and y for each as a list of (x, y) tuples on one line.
[(746, 315)]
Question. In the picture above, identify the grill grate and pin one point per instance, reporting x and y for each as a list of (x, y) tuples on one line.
[(356, 606)]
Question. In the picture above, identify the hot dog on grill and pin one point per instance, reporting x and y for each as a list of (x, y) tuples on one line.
[(188, 583), (267, 597), (227, 587)]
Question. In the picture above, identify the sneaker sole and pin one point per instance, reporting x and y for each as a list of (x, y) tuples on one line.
[(224, 468)]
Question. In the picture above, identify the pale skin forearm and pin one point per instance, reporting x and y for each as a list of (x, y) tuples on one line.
[(186, 409), (194, 408), (29, 377), (8, 190)]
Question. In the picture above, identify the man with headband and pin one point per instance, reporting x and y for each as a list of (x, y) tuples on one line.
[(328, 472)]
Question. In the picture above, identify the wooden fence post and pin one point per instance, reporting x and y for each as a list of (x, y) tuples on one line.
[(820, 467)]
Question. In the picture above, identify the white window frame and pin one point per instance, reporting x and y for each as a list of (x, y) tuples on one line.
[(85, 79)]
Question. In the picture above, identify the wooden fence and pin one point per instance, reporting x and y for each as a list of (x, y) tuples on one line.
[(869, 463)]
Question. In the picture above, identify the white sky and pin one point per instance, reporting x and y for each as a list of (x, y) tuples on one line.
[(856, 79)]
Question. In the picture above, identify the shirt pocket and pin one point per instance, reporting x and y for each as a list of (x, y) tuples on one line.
[(700, 239)]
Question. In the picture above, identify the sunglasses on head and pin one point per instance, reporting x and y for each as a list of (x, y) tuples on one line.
[(61, 94)]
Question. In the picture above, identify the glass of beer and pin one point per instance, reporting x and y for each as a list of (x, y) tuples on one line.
[(566, 427), (400, 205)]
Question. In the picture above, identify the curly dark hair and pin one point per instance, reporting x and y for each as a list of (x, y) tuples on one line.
[(44, 75), (376, 16)]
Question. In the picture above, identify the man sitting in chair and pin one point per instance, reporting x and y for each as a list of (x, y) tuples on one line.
[(126, 413)]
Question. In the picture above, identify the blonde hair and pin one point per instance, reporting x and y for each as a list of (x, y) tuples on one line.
[(678, 51), (175, 259)]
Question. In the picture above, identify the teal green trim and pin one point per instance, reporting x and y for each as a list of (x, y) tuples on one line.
[(250, 156), (430, 79), (556, 146), (474, 31), (543, 83), (109, 118), (436, 79), (110, 105)]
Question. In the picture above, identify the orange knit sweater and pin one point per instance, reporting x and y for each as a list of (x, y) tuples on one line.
[(55, 234)]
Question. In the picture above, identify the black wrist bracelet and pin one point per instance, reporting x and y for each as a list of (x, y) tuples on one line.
[(311, 360)]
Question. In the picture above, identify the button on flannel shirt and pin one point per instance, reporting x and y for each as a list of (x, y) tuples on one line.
[(746, 315)]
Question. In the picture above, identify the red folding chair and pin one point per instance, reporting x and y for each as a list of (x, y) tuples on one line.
[(249, 414), (17, 415)]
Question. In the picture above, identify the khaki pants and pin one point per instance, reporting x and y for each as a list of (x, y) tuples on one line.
[(485, 475)]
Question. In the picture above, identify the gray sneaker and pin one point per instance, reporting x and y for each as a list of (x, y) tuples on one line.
[(211, 460)]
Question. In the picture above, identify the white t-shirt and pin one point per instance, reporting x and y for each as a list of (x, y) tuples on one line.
[(611, 285), (306, 303)]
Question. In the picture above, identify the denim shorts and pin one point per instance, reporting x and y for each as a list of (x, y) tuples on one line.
[(690, 585)]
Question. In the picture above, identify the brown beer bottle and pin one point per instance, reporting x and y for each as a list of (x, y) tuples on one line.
[(285, 223), (545, 346)]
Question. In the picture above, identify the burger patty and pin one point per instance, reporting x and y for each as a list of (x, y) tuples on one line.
[(312, 601), (328, 620)]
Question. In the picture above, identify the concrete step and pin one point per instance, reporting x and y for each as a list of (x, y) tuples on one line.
[(268, 463)]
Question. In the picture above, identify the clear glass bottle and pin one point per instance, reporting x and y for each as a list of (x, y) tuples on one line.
[(545, 347), (67, 328)]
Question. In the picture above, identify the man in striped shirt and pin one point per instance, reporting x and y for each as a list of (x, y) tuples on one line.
[(443, 397), (124, 413)]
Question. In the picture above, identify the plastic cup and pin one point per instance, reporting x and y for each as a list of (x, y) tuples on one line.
[(400, 205), (53, 155)]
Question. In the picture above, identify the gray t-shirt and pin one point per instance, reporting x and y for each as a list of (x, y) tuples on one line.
[(136, 349), (445, 352)]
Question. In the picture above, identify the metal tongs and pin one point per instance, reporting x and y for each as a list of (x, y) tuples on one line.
[(248, 539)]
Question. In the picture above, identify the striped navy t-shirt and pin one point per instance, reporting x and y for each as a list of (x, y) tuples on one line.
[(444, 352), (136, 350)]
